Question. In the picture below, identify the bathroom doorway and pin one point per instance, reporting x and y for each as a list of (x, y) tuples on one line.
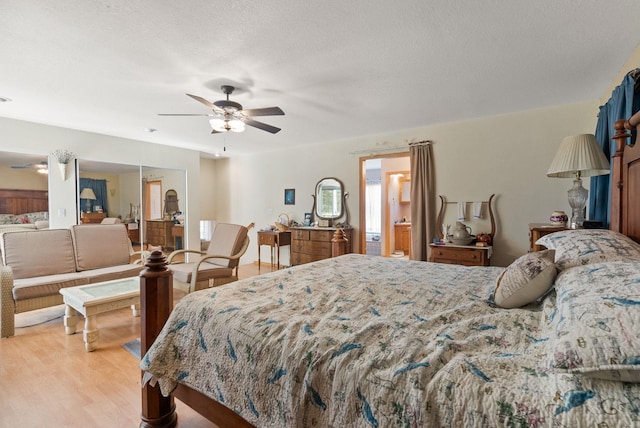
[(383, 207)]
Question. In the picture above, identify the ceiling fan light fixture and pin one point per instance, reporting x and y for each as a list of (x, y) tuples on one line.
[(236, 125), (218, 123)]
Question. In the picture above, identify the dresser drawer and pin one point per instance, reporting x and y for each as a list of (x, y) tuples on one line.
[(468, 256), (310, 244), (458, 254), (302, 235), (312, 247)]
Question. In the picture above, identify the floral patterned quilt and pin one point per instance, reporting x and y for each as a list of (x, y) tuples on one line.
[(362, 341)]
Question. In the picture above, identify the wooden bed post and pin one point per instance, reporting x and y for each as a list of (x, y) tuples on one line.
[(621, 135), (156, 301), (338, 243)]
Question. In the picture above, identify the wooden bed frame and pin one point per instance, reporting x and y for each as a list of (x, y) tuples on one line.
[(156, 288), (16, 201)]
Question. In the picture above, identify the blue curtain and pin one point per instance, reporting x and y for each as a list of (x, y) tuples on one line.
[(623, 103), (100, 189)]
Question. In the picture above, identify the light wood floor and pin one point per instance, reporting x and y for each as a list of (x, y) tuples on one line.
[(47, 379)]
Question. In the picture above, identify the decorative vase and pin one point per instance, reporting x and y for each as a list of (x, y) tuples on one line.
[(559, 218), (63, 170)]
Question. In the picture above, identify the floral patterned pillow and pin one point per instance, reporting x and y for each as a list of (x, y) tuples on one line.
[(525, 280), (596, 322), (584, 246), (7, 219)]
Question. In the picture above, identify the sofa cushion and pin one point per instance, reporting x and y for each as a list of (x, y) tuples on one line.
[(44, 286), (112, 272), (38, 253), (100, 245)]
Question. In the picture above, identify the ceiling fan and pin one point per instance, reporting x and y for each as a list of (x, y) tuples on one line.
[(41, 167), (230, 116)]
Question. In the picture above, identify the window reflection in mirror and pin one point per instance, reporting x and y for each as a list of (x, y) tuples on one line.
[(116, 187), (329, 199)]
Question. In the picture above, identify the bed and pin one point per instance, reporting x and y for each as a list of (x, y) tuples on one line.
[(368, 341), (23, 209)]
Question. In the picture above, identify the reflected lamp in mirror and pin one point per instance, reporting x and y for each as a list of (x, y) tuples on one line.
[(88, 195), (578, 156)]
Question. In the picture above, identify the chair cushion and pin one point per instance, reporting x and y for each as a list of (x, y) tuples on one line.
[(226, 240), (100, 245), (54, 253), (182, 271)]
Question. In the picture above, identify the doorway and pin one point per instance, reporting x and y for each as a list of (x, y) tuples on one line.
[(381, 179)]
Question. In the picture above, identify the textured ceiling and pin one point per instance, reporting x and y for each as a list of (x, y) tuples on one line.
[(339, 69)]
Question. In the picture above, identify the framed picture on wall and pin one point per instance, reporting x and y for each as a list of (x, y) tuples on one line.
[(289, 196)]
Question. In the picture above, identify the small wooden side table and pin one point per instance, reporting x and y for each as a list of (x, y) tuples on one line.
[(274, 239), (537, 231)]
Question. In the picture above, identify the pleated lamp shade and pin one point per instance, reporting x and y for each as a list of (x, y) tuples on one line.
[(579, 155)]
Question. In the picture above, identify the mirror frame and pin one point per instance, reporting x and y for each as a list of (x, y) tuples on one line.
[(404, 190), (342, 201)]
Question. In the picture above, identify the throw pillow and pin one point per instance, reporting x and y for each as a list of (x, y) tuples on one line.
[(525, 280)]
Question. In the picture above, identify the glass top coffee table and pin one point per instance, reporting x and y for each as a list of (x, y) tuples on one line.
[(93, 299)]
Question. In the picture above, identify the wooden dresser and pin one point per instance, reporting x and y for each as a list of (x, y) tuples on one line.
[(158, 233), (460, 255), (92, 217), (309, 244)]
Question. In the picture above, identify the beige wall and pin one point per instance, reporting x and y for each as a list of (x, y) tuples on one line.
[(507, 155), (26, 179)]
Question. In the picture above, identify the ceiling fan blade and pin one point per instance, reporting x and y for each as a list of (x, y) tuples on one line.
[(202, 100), (184, 114), (207, 103), (261, 125), (267, 111)]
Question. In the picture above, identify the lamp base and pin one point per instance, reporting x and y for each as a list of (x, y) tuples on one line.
[(577, 200)]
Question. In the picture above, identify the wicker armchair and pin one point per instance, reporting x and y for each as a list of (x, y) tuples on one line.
[(216, 266)]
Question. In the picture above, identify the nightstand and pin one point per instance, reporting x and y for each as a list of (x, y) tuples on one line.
[(538, 230), (467, 255)]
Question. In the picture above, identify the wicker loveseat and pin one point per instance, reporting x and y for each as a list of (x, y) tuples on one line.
[(38, 263)]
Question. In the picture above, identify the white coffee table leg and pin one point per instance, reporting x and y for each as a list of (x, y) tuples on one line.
[(70, 319), (90, 333), (136, 309)]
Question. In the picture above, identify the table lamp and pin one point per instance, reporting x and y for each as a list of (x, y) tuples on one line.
[(578, 155), (88, 195)]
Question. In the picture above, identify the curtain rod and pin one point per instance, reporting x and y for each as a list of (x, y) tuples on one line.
[(399, 147), (420, 143)]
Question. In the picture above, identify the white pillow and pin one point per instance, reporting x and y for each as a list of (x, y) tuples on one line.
[(595, 329), (585, 246), (525, 280)]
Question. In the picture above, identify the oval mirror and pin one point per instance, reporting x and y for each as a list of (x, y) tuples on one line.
[(329, 199), (171, 202)]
